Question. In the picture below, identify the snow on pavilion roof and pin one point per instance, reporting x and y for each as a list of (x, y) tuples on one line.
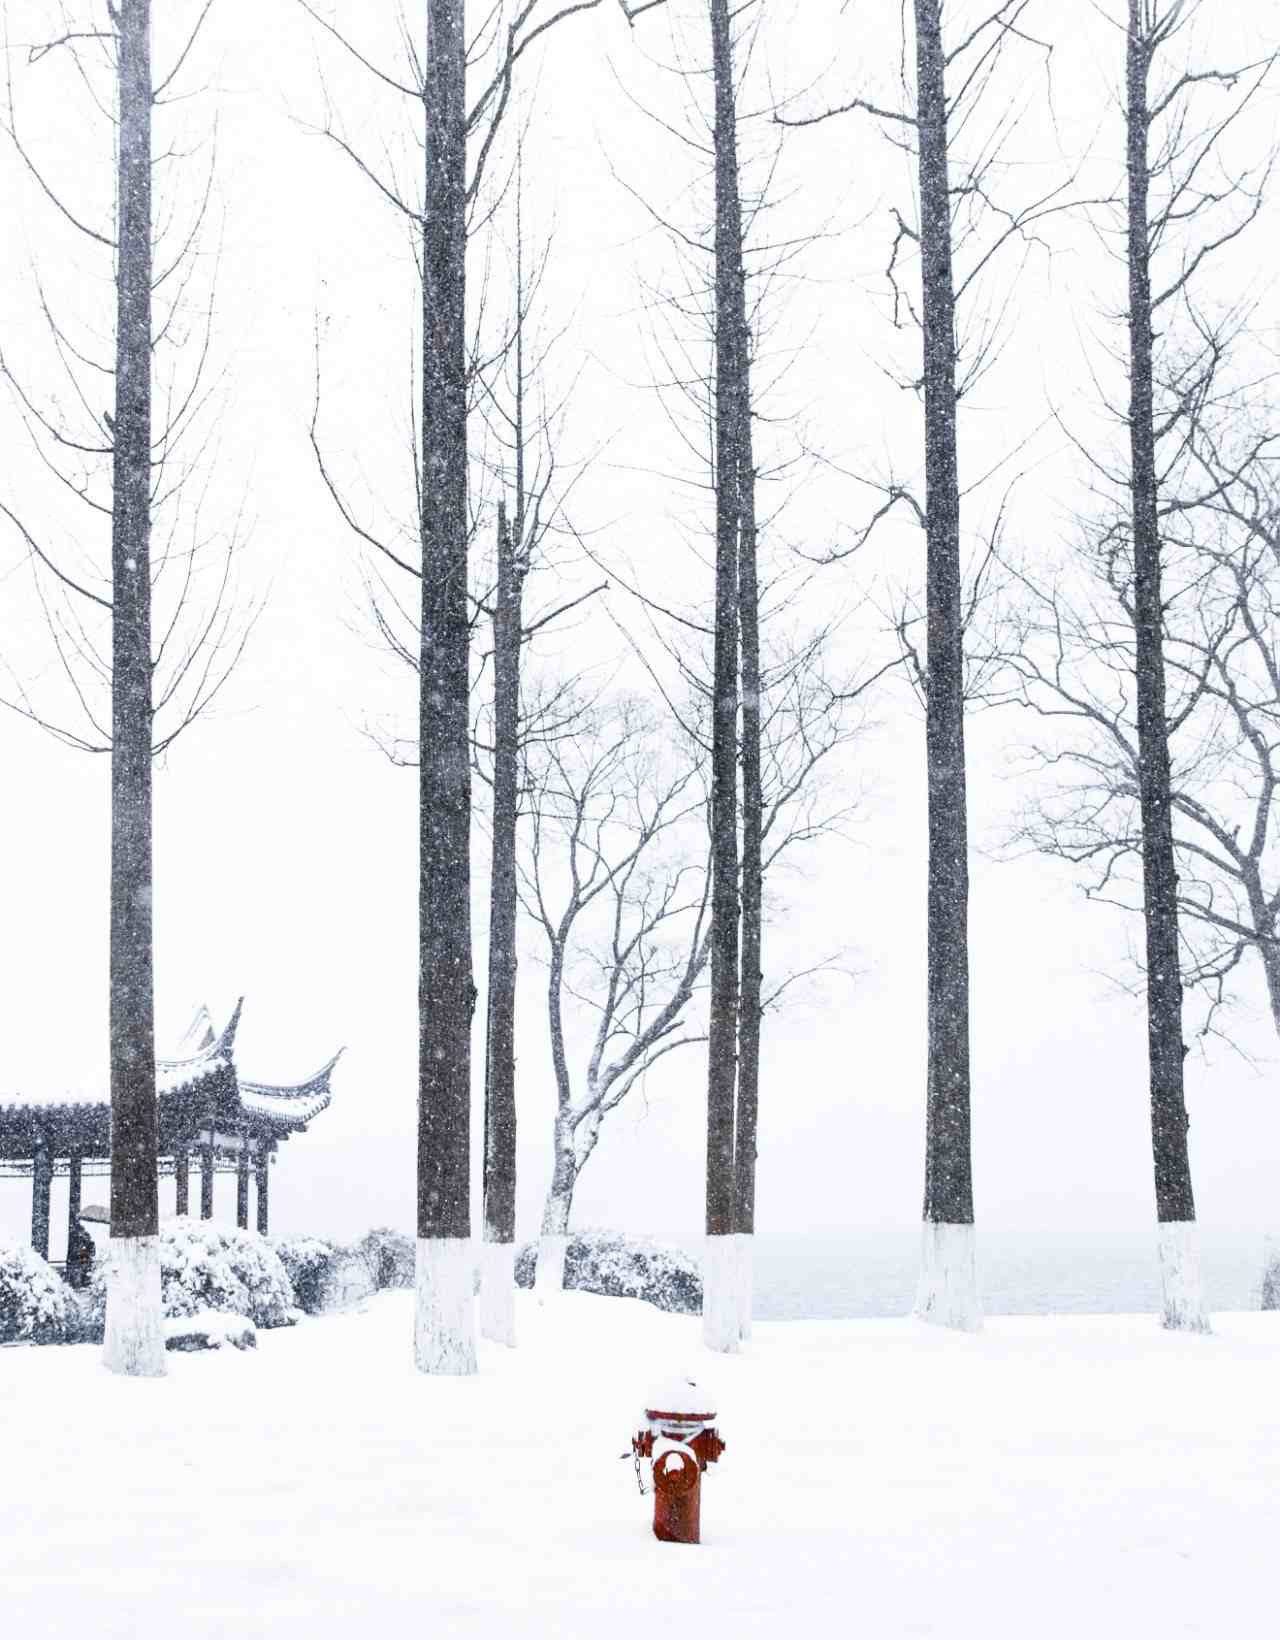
[(188, 1089)]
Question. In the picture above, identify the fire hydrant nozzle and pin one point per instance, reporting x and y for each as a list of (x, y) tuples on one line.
[(681, 1440)]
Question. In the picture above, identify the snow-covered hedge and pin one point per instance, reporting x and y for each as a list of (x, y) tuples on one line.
[(391, 1257), (209, 1330), (204, 1266), (326, 1276), (309, 1261), (605, 1261), (34, 1301), (1271, 1275), (207, 1267)]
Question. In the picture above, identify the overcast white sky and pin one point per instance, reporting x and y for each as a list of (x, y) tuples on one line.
[(285, 842)]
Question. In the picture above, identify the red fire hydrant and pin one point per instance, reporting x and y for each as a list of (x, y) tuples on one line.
[(680, 1437)]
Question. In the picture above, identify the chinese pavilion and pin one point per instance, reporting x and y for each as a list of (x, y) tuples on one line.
[(206, 1113)]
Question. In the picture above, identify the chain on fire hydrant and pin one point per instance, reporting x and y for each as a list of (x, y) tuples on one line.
[(679, 1436)]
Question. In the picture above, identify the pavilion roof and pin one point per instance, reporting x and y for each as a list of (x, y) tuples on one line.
[(201, 1087)]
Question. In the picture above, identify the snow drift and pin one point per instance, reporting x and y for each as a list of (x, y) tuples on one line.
[(209, 1330)]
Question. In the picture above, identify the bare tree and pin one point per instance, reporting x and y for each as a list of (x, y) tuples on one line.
[(956, 127), (722, 1318), (617, 874), (615, 877), (1166, 671), (521, 459), (1150, 27), (134, 1341), (436, 79), (160, 672), (714, 303)]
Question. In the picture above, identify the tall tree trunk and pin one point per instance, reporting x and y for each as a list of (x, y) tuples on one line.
[(948, 1287), (1175, 1203), (134, 1341), (749, 1001), (751, 975), (497, 1283), (721, 1329), (445, 1323)]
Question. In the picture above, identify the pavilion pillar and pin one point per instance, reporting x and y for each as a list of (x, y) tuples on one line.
[(264, 1176), (73, 1197), (181, 1178), (206, 1178), (41, 1181), (242, 1183)]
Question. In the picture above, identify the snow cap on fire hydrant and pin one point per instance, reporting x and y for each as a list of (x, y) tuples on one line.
[(682, 1396)]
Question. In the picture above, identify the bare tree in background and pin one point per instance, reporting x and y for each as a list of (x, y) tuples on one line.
[(172, 665), (617, 874), (614, 875), (1072, 665)]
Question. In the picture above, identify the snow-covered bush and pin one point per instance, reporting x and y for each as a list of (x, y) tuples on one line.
[(33, 1299), (309, 1262), (204, 1266), (390, 1256), (1271, 1275), (209, 1330), (605, 1261)]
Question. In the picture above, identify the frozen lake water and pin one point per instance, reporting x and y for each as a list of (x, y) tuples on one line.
[(872, 1273)]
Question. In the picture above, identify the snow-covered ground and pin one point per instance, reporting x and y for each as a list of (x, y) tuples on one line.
[(1047, 1477)]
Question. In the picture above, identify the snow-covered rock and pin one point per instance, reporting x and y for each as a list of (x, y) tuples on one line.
[(618, 1266), (209, 1330), (34, 1302)]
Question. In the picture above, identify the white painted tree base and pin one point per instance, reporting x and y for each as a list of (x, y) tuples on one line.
[(133, 1342), (498, 1292), (721, 1294), (444, 1322), (948, 1292), (549, 1278), (1180, 1285)]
